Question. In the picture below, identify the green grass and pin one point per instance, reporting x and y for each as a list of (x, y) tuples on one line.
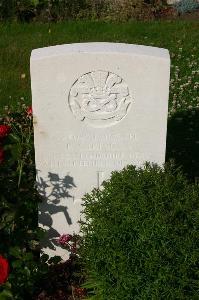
[(17, 41), (180, 37)]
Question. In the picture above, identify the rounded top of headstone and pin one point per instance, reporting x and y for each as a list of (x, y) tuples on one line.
[(99, 47)]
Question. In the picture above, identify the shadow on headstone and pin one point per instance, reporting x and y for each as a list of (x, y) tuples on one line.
[(53, 190), (183, 142)]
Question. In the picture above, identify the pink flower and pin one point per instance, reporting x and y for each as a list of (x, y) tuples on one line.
[(64, 239), (4, 130), (29, 111)]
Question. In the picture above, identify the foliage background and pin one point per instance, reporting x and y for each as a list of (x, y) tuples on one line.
[(57, 10)]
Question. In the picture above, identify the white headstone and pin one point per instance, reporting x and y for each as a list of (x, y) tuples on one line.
[(97, 108)]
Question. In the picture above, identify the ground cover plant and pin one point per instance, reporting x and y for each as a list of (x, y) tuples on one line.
[(140, 236)]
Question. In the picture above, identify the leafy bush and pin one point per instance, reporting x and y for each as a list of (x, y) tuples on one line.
[(22, 10), (19, 200), (56, 10), (7, 9), (140, 236), (184, 6), (62, 281), (124, 10), (23, 272)]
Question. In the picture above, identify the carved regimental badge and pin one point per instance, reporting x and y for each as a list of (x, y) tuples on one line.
[(99, 98)]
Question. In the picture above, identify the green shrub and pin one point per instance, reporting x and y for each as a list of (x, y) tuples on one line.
[(24, 273), (140, 236), (57, 10), (22, 10), (19, 232), (184, 6)]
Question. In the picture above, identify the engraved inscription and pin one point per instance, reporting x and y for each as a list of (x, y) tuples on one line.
[(85, 150), (100, 98)]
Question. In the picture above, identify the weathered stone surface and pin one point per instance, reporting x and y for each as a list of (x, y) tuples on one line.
[(97, 107)]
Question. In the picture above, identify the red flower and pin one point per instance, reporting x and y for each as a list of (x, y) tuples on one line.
[(64, 239), (29, 111), (80, 292), (4, 270), (1, 155), (4, 130)]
